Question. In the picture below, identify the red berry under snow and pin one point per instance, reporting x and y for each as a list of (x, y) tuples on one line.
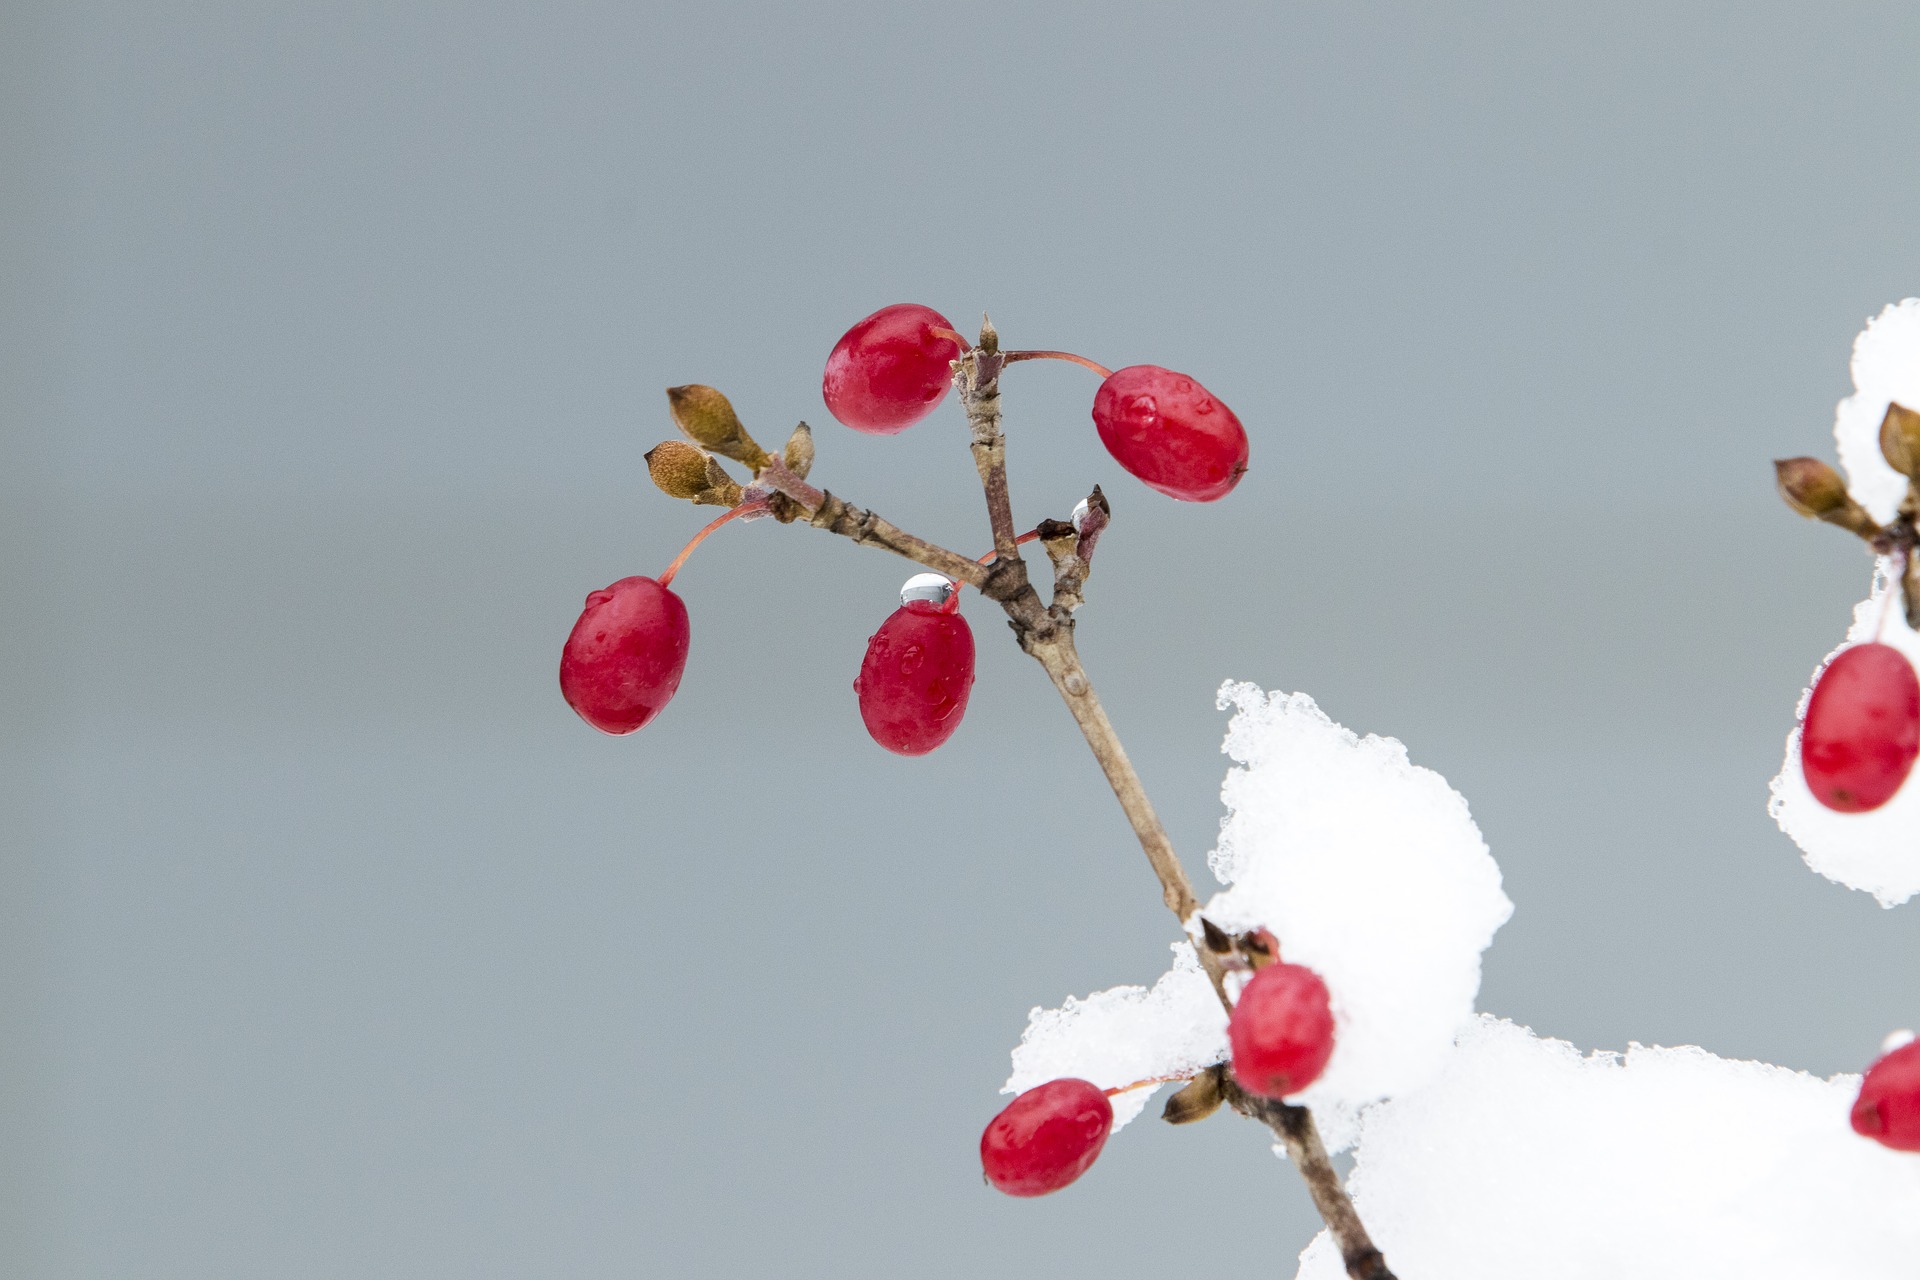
[(1281, 1031), (1862, 730), (623, 660), (1169, 431), (1047, 1137), (915, 678), (890, 370), (1889, 1107)]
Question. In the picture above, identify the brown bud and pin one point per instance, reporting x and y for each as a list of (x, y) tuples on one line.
[(1900, 439), (679, 468), (1200, 1099), (1260, 948), (708, 418), (798, 455), (1816, 490), (1216, 938)]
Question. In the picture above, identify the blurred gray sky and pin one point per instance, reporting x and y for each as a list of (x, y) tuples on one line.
[(330, 340)]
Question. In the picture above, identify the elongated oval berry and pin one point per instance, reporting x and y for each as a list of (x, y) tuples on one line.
[(1047, 1137), (625, 655), (1888, 1110), (1862, 729), (890, 370), (1281, 1031), (1169, 431), (915, 678)]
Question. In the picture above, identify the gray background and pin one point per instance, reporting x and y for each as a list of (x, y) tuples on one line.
[(337, 947)]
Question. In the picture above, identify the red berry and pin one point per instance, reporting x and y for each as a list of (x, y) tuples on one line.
[(1889, 1107), (1862, 729), (890, 370), (623, 660), (1281, 1031), (1169, 431), (915, 678), (1047, 1137)]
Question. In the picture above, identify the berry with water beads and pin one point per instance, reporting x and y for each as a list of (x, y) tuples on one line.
[(1170, 432), (891, 370), (918, 669), (1862, 729), (1046, 1138), (624, 657)]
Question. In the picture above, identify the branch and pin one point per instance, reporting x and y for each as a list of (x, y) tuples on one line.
[(824, 511), (977, 377), (1295, 1128)]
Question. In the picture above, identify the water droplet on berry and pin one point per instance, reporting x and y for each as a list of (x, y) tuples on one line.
[(926, 588), (911, 659)]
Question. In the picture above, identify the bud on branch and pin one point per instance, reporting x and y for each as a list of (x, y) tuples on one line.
[(1816, 491)]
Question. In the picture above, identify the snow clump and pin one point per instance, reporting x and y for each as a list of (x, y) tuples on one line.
[(1367, 868), (1527, 1158), (1370, 871), (1115, 1037), (1886, 370)]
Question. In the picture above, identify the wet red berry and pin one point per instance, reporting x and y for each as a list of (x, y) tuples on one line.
[(623, 660), (1047, 1137), (890, 370), (1169, 431), (915, 678), (1862, 729), (1888, 1110), (1281, 1031)]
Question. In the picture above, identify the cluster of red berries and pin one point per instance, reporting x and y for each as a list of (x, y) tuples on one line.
[(1862, 728), (1280, 1033), (628, 650)]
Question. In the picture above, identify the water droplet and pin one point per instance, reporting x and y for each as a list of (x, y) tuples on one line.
[(910, 660), (1080, 510), (601, 596), (1205, 405), (1076, 684), (926, 588), (1145, 410)]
